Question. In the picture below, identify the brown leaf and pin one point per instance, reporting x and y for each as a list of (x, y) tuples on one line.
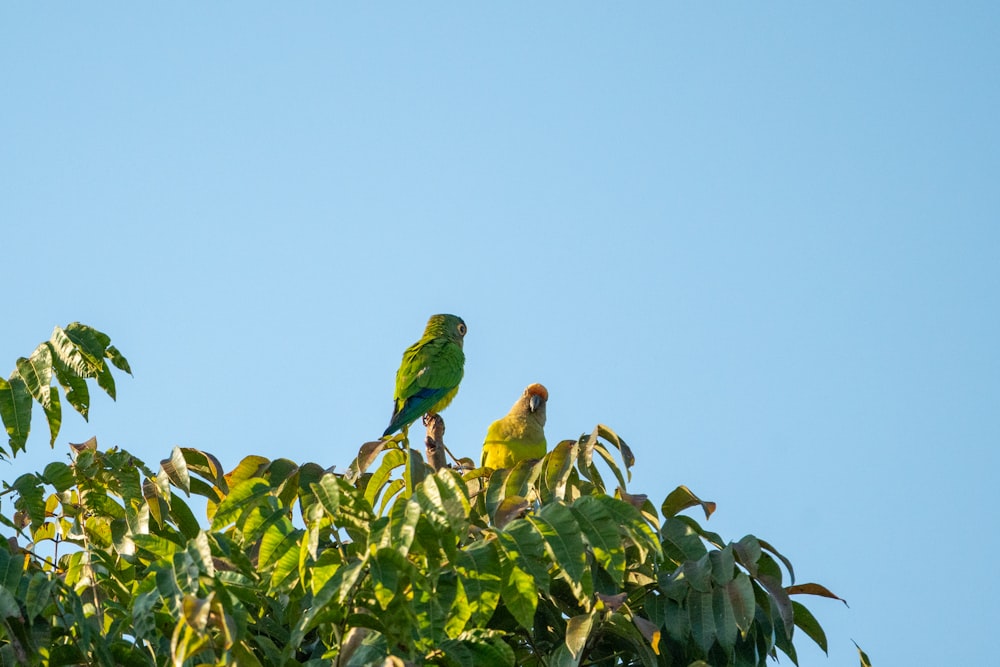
[(814, 589)]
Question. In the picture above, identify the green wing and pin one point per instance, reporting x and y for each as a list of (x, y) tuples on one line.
[(427, 380)]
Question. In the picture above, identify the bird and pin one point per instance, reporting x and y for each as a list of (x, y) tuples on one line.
[(520, 435), (428, 377)]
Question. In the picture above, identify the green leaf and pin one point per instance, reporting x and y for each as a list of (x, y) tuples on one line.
[(519, 592), (75, 386), (11, 571), (42, 591), (53, 414), (561, 535), (680, 499), (557, 465), (388, 569), (59, 475), (577, 630), (184, 517), (91, 342), (593, 445), (15, 410), (472, 649), (176, 469), (392, 489), (525, 548), (9, 608), (394, 458), (205, 465), (521, 477), (725, 619), (723, 565), (631, 521), (748, 552), (741, 599), (865, 660), (159, 547), (414, 472), (29, 488), (702, 619), (680, 542), (479, 570), (273, 543), (399, 529), (620, 626), (782, 602), (445, 501), (72, 357), (37, 373), (788, 563), (601, 532), (118, 359), (243, 496), (809, 625)]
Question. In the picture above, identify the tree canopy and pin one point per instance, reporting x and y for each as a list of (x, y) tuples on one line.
[(393, 562)]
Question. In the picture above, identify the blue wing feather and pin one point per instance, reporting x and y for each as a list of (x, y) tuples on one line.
[(414, 407)]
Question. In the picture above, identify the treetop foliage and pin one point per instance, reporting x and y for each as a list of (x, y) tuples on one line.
[(390, 563)]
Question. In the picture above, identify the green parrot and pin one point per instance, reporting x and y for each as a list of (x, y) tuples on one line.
[(520, 434), (428, 377)]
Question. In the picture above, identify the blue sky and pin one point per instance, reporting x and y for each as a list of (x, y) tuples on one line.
[(760, 241)]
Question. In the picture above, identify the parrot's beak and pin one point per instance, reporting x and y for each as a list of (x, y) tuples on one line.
[(534, 402)]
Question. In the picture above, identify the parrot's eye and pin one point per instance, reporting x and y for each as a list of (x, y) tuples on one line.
[(461, 329)]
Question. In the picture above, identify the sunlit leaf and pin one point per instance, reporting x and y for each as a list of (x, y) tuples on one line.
[(176, 469), (75, 386), (557, 465), (77, 362), (244, 495), (118, 359), (59, 475), (525, 548), (15, 410), (577, 631), (865, 660), (106, 381), (53, 414), (248, 467), (680, 499), (522, 476), (91, 342), (392, 460), (519, 592), (36, 372), (443, 495)]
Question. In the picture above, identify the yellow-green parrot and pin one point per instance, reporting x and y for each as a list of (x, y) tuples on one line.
[(520, 434), (428, 377)]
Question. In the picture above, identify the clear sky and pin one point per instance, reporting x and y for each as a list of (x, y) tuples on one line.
[(759, 240)]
